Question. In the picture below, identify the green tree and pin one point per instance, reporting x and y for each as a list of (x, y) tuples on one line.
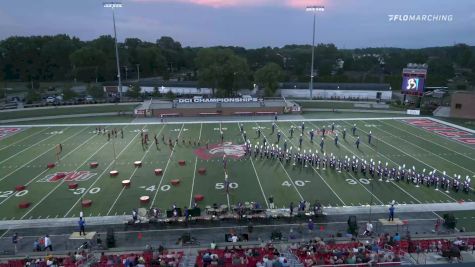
[(32, 95), (156, 92), (134, 91), (69, 94), (269, 76), (220, 69), (84, 63), (95, 91)]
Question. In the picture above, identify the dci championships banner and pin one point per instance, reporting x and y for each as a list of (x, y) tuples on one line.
[(219, 100)]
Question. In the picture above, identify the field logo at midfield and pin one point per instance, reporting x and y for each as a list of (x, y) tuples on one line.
[(218, 150), (77, 176), (7, 131)]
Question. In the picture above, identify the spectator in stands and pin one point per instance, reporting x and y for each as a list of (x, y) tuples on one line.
[(369, 229), (206, 259), (397, 238), (213, 245)]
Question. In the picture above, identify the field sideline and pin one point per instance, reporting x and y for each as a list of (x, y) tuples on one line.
[(25, 154)]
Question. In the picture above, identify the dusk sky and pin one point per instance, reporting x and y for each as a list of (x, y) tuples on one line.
[(248, 23)]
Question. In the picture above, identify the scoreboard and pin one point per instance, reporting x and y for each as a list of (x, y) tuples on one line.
[(413, 80)]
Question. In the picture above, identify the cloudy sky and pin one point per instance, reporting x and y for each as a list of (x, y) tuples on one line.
[(248, 23)]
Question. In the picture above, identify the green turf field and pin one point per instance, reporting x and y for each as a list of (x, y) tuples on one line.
[(24, 156)]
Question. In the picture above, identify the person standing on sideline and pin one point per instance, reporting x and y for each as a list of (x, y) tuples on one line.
[(311, 225), (15, 239), (271, 202), (48, 243), (391, 213), (82, 226)]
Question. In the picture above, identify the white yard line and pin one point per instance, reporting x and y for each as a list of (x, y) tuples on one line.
[(102, 174), (166, 167), (281, 165), (321, 177), (131, 176), (4, 234), (354, 178), (470, 171), (194, 172), (35, 144), (397, 163), (34, 178), (62, 181), (255, 172), (21, 140)]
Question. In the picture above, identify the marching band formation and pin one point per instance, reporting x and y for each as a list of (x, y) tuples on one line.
[(381, 171)]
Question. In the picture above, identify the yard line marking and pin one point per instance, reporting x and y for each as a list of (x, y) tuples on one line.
[(98, 178), (356, 179), (24, 138), (35, 144), (255, 172), (407, 155), (56, 216), (194, 172), (288, 176), (41, 173), (428, 150), (131, 176), (166, 167), (62, 181), (321, 177), (19, 168), (47, 217), (4, 234)]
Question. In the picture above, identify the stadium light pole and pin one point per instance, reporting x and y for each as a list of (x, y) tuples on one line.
[(113, 6), (314, 10)]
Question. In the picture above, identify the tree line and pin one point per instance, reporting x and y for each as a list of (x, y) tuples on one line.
[(224, 69)]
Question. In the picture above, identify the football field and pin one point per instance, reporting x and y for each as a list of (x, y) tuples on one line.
[(25, 152)]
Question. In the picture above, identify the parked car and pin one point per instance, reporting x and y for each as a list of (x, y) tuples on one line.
[(50, 99)]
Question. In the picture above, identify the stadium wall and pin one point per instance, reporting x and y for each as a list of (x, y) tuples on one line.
[(216, 111), (342, 94), (463, 105)]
